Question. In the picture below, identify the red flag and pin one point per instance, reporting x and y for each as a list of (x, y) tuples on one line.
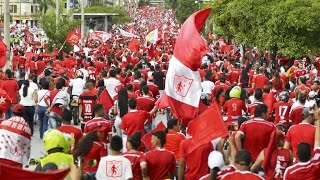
[(73, 38), (3, 49), (206, 127), (9, 172), (146, 139), (226, 48), (104, 48), (28, 36), (106, 100), (151, 51), (183, 82), (268, 153), (134, 45)]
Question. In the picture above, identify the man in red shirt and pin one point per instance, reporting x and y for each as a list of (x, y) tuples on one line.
[(11, 87), (282, 109), (161, 162), (242, 162), (153, 88), (135, 120), (234, 106), (307, 168), (87, 100), (302, 86), (260, 80), (41, 65), (195, 167), (235, 74), (145, 102), (67, 128), (302, 132), (99, 112), (256, 132), (257, 100)]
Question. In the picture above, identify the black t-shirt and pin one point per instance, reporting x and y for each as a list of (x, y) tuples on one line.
[(158, 79)]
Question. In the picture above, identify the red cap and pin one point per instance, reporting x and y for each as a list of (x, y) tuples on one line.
[(96, 127), (18, 108), (296, 62)]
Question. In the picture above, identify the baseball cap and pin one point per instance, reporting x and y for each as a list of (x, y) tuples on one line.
[(18, 108), (296, 62), (215, 159), (96, 127)]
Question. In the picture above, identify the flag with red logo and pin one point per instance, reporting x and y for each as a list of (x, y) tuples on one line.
[(206, 127), (10, 172), (73, 38), (183, 82), (134, 45), (104, 48), (3, 49), (146, 139)]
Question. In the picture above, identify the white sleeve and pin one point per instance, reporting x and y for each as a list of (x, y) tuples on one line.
[(127, 169), (100, 172)]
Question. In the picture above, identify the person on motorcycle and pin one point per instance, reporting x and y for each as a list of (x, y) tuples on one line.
[(76, 88), (57, 146)]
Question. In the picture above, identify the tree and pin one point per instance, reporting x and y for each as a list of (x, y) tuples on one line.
[(57, 36), (143, 3), (185, 9), (286, 26), (172, 4)]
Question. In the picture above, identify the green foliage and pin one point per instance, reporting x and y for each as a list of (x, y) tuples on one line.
[(57, 36), (172, 4), (185, 9), (122, 17), (143, 3), (290, 26)]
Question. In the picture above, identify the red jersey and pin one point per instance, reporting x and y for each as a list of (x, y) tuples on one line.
[(22, 62), (173, 140), (234, 76), (92, 158), (257, 134), (234, 108), (305, 170), (282, 111), (41, 65), (217, 87), (72, 130), (295, 116), (132, 95), (303, 132), (68, 63), (253, 106), (136, 85), (302, 88), (260, 80), (11, 87), (300, 72), (134, 121), (145, 103), (98, 120), (160, 162), (55, 108), (87, 99), (92, 73), (217, 83), (137, 159), (221, 173), (15, 60), (279, 161), (195, 167), (99, 65), (278, 87), (245, 175), (154, 89)]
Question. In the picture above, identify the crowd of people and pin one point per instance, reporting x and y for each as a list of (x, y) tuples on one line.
[(269, 105)]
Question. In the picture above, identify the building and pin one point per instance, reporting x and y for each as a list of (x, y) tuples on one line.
[(22, 11)]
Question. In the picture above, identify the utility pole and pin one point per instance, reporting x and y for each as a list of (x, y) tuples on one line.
[(57, 15), (6, 28), (68, 6), (82, 22)]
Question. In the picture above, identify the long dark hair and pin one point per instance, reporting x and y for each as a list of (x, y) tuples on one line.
[(84, 145), (277, 80), (26, 84), (123, 101)]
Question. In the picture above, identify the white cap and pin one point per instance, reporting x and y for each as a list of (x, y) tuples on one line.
[(215, 159)]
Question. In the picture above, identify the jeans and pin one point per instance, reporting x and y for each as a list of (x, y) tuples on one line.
[(43, 118), (54, 120), (9, 112), (28, 116)]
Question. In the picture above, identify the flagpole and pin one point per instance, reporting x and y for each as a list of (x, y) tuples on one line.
[(82, 22), (7, 32)]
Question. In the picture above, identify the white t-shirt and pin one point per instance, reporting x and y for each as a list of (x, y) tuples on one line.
[(111, 84), (28, 100), (78, 85), (85, 73), (207, 87), (114, 167), (41, 96)]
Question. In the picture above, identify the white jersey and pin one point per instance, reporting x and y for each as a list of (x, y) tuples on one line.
[(115, 168), (78, 85)]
